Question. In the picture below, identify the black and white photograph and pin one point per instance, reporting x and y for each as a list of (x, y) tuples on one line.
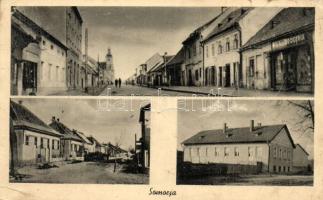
[(245, 142), (156, 51), (79, 141)]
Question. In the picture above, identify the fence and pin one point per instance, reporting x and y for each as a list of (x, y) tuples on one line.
[(190, 169)]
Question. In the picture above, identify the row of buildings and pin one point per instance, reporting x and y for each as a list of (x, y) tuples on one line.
[(46, 53), (32, 141), (255, 48), (268, 146)]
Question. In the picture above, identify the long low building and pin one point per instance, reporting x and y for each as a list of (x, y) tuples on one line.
[(271, 146)]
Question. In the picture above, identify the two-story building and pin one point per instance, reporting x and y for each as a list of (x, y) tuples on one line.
[(40, 67), (223, 64), (270, 145)]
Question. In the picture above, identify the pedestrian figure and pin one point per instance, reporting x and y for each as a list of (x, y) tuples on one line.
[(116, 82), (119, 82)]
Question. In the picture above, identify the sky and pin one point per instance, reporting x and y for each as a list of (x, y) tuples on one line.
[(134, 34), (85, 116), (239, 114)]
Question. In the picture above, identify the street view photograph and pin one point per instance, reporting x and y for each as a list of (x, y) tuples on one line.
[(79, 141), (245, 142), (155, 51)]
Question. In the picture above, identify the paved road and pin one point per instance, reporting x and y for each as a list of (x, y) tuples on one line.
[(84, 172), (128, 90)]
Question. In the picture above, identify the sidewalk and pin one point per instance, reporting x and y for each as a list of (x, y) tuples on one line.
[(232, 92)]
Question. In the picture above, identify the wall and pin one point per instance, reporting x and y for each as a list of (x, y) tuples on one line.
[(284, 153), (52, 71), (207, 154), (300, 158), (262, 76)]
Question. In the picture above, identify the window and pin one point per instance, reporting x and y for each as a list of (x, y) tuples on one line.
[(200, 72), (53, 144), (275, 152), (49, 71), (189, 53), (219, 48), (197, 75), (250, 152), (194, 49), (198, 152), (235, 41), (288, 169), (207, 51), (227, 45), (280, 153), (27, 140), (190, 153), (52, 47), (48, 143), (226, 151), (251, 67), (279, 168), (284, 169), (216, 153), (35, 142), (236, 151), (56, 73), (206, 151), (41, 143), (213, 50), (274, 168), (44, 42)]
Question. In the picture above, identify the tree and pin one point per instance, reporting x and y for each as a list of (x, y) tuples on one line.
[(305, 110)]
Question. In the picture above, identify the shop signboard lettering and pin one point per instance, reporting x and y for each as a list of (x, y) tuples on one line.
[(288, 41)]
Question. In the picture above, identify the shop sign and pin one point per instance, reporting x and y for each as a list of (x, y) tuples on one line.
[(288, 41)]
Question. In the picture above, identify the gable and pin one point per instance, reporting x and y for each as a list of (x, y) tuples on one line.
[(283, 138)]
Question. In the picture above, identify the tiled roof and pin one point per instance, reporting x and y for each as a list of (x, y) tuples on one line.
[(23, 118), (237, 135), (229, 22), (159, 67), (64, 130), (178, 58), (286, 21)]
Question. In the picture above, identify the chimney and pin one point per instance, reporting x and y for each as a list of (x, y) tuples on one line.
[(53, 118), (252, 122), (224, 128)]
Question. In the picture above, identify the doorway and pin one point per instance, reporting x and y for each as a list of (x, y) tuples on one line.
[(29, 76), (227, 75)]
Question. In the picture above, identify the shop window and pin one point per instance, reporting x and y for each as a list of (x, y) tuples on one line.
[(27, 140)]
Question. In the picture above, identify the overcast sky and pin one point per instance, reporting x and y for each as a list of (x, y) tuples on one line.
[(84, 115), (242, 111), (136, 33)]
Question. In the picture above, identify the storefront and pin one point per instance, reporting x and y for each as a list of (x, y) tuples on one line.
[(292, 63)]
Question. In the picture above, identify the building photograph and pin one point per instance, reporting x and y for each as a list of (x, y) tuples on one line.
[(232, 51), (245, 142), (79, 141)]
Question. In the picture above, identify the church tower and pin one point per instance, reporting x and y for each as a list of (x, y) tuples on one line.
[(109, 65)]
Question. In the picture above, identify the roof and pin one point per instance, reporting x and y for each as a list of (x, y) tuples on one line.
[(77, 13), (23, 118), (229, 22), (302, 148), (159, 67), (93, 140), (178, 58), (64, 130), (37, 28), (289, 20), (116, 148), (83, 137), (261, 134), (197, 31)]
